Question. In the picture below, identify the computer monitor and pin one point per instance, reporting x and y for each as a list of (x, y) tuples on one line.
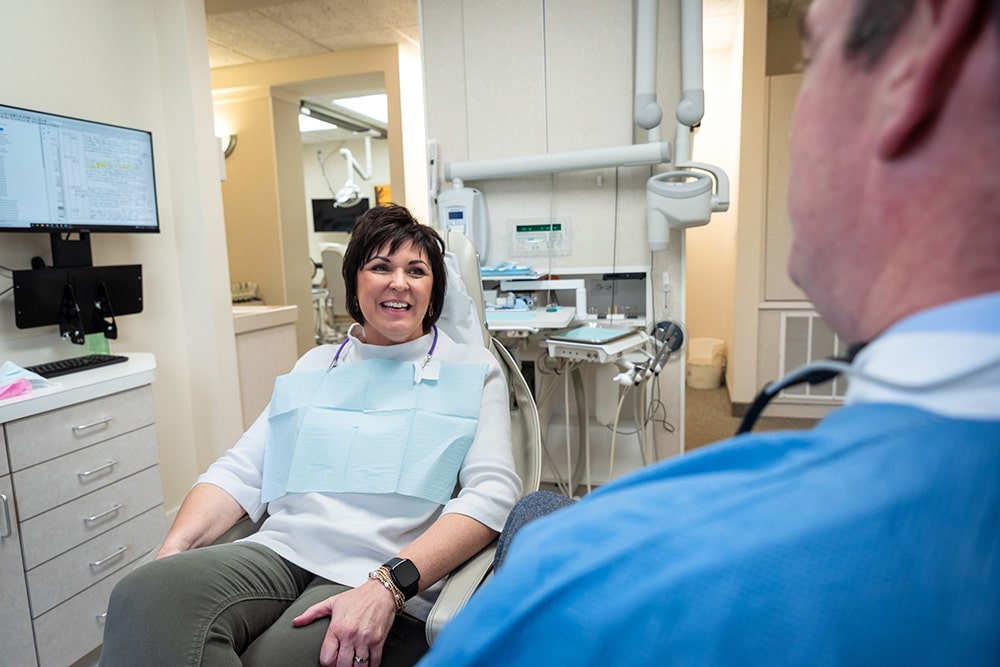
[(68, 176), (327, 217)]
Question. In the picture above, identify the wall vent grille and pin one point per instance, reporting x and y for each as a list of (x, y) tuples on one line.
[(805, 337)]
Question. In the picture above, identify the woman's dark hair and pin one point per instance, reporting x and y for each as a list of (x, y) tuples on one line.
[(393, 225)]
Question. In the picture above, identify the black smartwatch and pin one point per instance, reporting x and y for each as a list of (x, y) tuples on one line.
[(405, 575)]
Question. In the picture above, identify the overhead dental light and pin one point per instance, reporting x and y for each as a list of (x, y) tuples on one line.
[(349, 194)]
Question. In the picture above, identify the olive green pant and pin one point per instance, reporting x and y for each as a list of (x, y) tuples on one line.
[(230, 604)]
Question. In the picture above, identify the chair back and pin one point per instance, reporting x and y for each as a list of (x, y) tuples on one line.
[(333, 262), (525, 429)]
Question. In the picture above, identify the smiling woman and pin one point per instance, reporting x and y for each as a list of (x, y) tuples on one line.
[(355, 462), (394, 275)]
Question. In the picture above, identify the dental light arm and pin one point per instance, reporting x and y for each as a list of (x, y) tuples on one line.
[(349, 193), (687, 196), (648, 113), (691, 108)]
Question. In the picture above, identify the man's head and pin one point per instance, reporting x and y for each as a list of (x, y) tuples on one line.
[(888, 183)]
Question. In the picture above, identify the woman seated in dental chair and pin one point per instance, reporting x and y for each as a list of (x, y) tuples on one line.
[(356, 462)]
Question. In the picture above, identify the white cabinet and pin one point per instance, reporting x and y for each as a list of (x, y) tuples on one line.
[(16, 642), (83, 470), (266, 347)]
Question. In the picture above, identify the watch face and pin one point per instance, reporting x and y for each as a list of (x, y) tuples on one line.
[(405, 575)]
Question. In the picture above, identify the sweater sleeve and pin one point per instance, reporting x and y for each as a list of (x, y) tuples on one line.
[(238, 471), (488, 480)]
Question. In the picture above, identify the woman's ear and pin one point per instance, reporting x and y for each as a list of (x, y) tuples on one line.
[(925, 66)]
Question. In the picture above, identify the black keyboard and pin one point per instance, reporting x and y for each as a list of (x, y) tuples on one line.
[(73, 364)]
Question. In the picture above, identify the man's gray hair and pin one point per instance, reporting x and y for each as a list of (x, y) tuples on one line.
[(875, 23)]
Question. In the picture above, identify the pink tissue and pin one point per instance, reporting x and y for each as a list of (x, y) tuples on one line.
[(18, 387)]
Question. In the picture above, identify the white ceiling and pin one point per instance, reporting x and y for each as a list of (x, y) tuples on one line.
[(242, 32), (253, 31)]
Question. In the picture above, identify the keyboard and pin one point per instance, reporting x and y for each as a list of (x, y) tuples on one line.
[(74, 364)]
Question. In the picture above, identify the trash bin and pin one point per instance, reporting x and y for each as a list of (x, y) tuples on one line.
[(706, 357)]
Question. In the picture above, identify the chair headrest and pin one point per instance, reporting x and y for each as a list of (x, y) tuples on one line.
[(460, 315)]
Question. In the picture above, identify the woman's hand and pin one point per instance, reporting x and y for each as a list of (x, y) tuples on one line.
[(360, 620)]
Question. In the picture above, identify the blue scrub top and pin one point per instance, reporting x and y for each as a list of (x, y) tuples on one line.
[(872, 539)]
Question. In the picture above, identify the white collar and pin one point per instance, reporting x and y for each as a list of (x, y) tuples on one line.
[(945, 360)]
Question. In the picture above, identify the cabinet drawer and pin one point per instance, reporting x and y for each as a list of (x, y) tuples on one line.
[(76, 627), (77, 569), (45, 436), (59, 530), (44, 486)]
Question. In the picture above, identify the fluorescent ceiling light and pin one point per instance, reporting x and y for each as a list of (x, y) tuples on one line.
[(343, 118), (312, 124), (374, 106)]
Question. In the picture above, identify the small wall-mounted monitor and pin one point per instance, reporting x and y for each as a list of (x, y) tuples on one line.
[(327, 217), (60, 174)]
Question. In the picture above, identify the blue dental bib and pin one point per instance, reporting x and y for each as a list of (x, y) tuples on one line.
[(375, 426)]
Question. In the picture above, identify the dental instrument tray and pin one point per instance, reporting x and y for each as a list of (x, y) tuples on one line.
[(591, 335), (599, 344)]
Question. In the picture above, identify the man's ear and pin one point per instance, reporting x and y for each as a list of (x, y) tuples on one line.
[(925, 68)]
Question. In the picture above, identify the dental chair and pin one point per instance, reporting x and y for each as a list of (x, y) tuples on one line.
[(526, 441), (337, 318)]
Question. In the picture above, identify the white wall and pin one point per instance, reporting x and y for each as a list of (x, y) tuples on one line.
[(527, 77), (142, 63)]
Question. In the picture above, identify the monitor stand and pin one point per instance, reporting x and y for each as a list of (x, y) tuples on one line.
[(69, 253)]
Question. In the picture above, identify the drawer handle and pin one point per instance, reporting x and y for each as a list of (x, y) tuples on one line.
[(104, 468), (97, 517), (98, 564), (102, 617), (9, 530), (100, 422)]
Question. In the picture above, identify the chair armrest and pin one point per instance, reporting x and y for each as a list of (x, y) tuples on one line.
[(457, 589)]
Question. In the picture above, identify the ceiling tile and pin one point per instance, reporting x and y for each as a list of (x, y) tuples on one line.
[(223, 56), (252, 34), (323, 20)]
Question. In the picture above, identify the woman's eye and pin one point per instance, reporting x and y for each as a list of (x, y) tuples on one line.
[(379, 268), (417, 272)]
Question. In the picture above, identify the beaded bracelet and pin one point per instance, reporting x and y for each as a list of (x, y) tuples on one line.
[(382, 575)]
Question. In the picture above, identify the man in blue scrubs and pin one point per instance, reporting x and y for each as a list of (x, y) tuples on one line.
[(873, 538)]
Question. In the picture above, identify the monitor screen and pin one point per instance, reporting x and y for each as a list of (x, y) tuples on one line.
[(327, 217), (61, 174)]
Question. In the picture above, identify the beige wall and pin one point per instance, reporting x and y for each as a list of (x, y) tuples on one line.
[(141, 64), (264, 194), (250, 193), (711, 250), (741, 375)]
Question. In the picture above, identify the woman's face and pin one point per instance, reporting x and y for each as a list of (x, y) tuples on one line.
[(394, 293)]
